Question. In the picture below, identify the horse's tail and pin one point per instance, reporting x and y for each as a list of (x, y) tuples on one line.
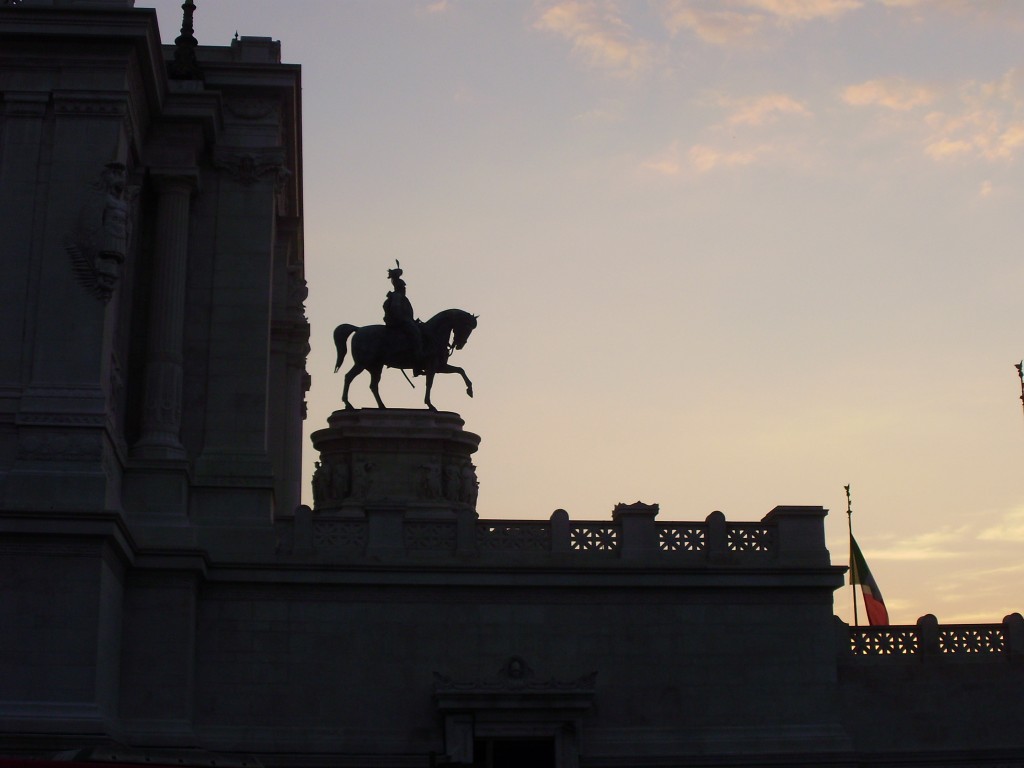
[(341, 334)]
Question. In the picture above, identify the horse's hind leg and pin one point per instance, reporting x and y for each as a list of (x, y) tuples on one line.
[(430, 385), (374, 381), (353, 372)]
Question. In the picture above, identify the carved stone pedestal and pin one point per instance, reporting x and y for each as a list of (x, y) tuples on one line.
[(416, 461)]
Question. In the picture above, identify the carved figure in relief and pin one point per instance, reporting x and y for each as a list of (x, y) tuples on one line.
[(320, 485), (99, 246), (430, 481), (362, 482), (452, 482), (405, 343), (469, 487), (339, 481)]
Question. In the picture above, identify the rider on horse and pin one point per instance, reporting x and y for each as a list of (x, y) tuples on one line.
[(398, 314)]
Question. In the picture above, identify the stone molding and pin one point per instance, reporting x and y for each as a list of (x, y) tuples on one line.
[(25, 104), (252, 108)]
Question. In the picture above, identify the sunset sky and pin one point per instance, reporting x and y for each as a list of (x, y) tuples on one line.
[(726, 255)]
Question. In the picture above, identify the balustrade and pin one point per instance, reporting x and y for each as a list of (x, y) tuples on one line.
[(930, 639), (713, 540)]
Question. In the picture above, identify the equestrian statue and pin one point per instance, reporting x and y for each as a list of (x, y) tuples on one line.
[(404, 342)]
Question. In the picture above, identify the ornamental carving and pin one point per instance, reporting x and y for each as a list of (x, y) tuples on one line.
[(331, 484), (100, 243), (430, 482), (456, 483), (252, 108), (516, 675), (248, 168)]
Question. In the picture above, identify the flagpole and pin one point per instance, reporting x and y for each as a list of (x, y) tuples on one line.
[(853, 566)]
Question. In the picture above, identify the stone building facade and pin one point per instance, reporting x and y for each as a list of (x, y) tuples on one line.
[(164, 597)]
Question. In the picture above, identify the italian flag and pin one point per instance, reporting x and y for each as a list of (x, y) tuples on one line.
[(860, 574)]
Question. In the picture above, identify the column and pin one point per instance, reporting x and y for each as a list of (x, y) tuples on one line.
[(161, 419)]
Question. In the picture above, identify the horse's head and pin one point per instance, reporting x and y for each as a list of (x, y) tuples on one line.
[(461, 330)]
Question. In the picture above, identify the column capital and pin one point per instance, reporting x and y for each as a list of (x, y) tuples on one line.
[(169, 179)]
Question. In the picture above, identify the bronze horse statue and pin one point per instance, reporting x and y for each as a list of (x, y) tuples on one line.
[(377, 346)]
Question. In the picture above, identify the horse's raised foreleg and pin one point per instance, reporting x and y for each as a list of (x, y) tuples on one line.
[(374, 382), (353, 372), (430, 384), (449, 368)]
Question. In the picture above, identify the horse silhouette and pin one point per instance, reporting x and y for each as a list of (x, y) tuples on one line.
[(377, 346)]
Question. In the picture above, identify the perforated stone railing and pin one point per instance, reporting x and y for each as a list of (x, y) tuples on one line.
[(929, 639), (339, 535), (682, 537), (595, 537), (787, 534), (513, 536), (430, 536)]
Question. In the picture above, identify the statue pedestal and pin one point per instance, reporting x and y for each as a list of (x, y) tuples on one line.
[(413, 461)]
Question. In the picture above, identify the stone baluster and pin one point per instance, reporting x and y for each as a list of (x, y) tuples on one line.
[(161, 420)]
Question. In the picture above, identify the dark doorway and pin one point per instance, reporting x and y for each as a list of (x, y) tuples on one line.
[(514, 753)]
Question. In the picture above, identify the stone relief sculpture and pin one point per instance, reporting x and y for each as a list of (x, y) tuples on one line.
[(469, 486), (330, 484), (320, 483), (339, 482), (430, 481), (100, 245), (452, 482), (362, 482), (404, 342)]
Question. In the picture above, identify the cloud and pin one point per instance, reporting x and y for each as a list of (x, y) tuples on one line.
[(715, 26), (985, 120), (739, 22), (767, 109), (893, 93), (986, 11), (665, 164), (805, 10), (930, 545), (598, 34), (1009, 529), (970, 120), (699, 159), (704, 158), (943, 148)]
